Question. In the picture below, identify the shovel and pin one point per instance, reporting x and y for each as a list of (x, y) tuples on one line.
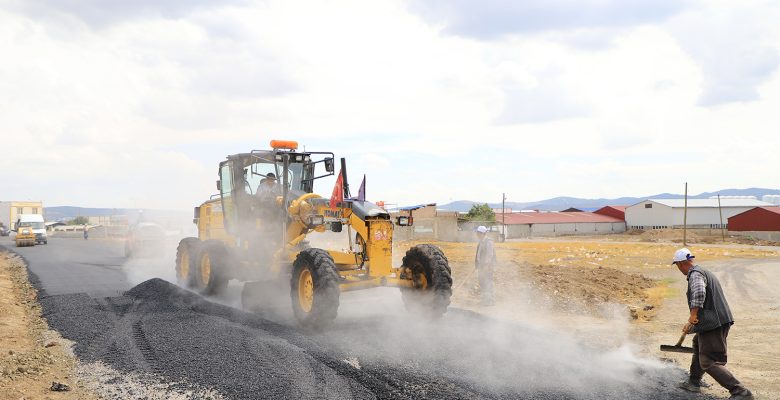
[(678, 348)]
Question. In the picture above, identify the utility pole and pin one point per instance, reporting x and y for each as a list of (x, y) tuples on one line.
[(720, 211), (503, 214), (685, 217)]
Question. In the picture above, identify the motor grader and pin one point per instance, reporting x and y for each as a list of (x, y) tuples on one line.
[(255, 230)]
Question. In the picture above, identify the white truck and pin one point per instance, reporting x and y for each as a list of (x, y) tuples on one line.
[(35, 221)]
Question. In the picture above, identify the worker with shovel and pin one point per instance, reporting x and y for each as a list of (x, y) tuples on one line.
[(710, 319)]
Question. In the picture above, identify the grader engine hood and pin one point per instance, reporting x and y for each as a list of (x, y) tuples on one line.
[(365, 209), (361, 209)]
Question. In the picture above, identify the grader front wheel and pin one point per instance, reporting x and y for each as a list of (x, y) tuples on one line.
[(314, 288), (432, 278)]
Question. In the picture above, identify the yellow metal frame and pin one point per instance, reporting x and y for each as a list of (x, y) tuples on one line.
[(377, 233)]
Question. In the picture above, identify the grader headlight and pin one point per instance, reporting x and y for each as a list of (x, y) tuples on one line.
[(315, 220), (404, 221)]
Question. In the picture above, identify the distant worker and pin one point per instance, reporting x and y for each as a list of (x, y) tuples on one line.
[(86, 232), (710, 318), (485, 262)]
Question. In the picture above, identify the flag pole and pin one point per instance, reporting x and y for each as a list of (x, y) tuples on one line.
[(685, 217)]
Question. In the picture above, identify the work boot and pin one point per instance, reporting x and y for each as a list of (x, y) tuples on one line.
[(689, 386), (742, 394)]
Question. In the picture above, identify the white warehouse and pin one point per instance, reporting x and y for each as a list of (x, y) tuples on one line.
[(702, 213)]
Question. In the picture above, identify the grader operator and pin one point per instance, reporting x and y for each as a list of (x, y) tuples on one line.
[(256, 232)]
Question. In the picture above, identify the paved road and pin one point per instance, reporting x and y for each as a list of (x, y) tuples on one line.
[(374, 350), (70, 265)]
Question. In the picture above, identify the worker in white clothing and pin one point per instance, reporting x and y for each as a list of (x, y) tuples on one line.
[(485, 262)]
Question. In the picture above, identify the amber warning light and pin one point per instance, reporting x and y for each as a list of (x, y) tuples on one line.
[(284, 144)]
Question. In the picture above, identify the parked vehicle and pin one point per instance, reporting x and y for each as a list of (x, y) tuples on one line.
[(145, 239), (35, 221)]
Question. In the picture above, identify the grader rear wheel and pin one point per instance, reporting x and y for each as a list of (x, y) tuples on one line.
[(212, 267), (432, 279), (314, 288), (186, 253)]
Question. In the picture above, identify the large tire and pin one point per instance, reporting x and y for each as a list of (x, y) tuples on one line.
[(314, 288), (212, 269), (433, 281), (186, 255)]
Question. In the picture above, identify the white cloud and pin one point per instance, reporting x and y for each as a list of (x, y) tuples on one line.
[(736, 45), (137, 110)]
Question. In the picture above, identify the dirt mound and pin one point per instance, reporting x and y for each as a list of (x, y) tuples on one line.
[(591, 287)]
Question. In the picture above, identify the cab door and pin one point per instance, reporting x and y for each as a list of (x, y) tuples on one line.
[(226, 194)]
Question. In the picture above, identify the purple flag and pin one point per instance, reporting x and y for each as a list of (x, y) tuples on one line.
[(362, 191)]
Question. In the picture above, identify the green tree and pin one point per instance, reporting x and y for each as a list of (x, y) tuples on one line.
[(481, 212), (79, 221)]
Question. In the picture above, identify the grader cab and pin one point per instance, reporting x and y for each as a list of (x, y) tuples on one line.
[(256, 232)]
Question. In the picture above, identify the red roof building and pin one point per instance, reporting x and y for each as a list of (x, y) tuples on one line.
[(756, 219), (555, 218), (618, 212)]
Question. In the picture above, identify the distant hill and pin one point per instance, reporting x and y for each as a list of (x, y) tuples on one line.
[(562, 203)]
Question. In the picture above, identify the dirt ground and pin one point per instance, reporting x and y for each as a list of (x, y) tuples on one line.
[(615, 290), (618, 292), (33, 356)]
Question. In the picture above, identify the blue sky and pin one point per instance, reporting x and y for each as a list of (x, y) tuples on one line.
[(133, 104)]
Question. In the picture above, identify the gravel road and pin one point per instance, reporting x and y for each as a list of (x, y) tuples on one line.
[(374, 350)]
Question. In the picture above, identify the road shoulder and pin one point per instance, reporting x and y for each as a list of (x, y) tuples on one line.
[(33, 356)]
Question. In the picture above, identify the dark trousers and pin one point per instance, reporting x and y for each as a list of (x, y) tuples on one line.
[(709, 355), (486, 283)]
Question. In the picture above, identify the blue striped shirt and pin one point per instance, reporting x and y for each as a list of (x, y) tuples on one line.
[(698, 285)]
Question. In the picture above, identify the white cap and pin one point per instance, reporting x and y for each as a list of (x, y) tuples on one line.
[(682, 255), (481, 229)]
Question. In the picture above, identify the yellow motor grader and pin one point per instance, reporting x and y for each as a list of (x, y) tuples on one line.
[(256, 229)]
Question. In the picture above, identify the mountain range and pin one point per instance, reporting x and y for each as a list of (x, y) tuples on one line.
[(554, 204), (562, 203)]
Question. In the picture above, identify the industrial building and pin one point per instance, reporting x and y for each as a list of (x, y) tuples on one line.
[(702, 213), (530, 224), (772, 199), (430, 223), (618, 212), (760, 222), (10, 210)]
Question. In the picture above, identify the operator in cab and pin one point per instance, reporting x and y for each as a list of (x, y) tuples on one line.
[(268, 186)]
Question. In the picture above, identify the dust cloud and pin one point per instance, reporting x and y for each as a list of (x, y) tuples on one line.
[(533, 349), (538, 351)]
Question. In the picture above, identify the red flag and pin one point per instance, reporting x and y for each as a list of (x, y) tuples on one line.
[(338, 191)]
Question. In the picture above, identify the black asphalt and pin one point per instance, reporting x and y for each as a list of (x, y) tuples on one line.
[(374, 350)]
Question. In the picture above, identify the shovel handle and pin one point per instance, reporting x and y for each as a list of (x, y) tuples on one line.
[(682, 337)]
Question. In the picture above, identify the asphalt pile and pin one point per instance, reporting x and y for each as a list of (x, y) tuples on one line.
[(163, 331)]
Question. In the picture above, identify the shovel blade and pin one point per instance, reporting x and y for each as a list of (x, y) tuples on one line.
[(677, 349)]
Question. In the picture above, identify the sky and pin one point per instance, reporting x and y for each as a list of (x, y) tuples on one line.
[(133, 104)]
